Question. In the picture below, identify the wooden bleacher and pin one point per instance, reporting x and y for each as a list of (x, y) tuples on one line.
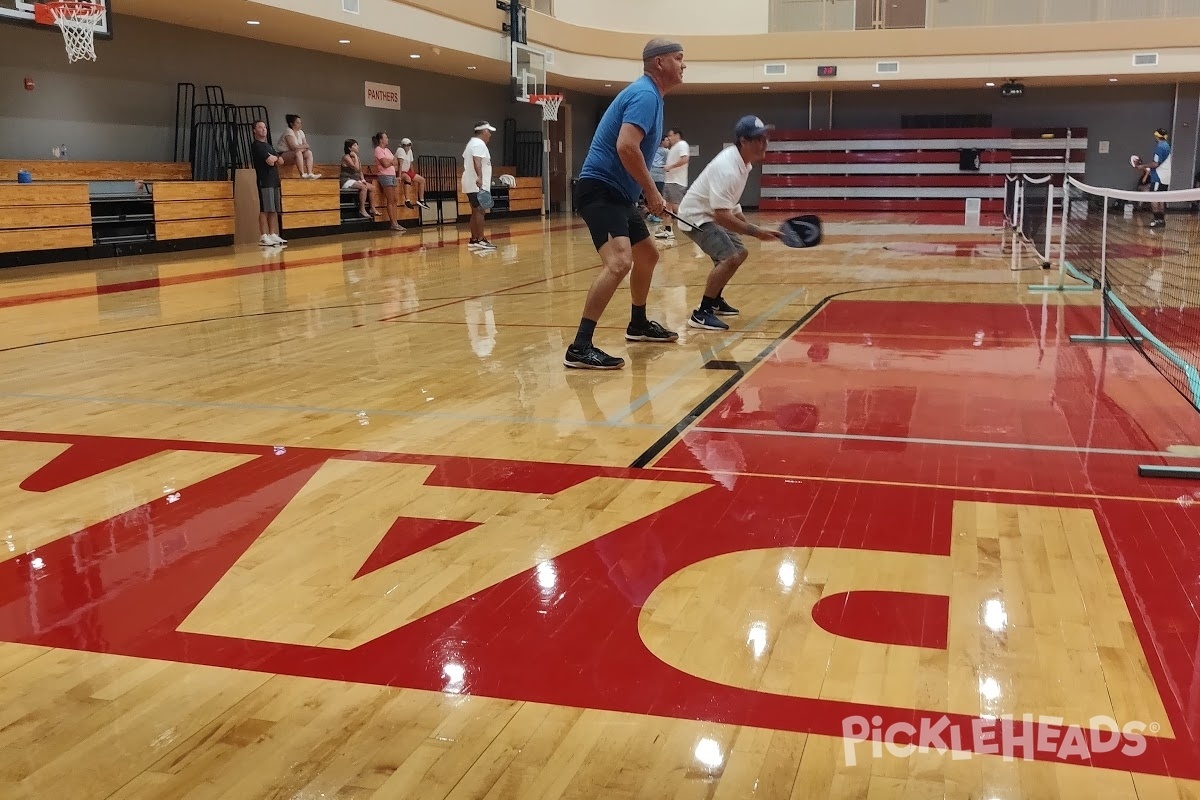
[(524, 197), (73, 205), (193, 209), (82, 205), (44, 217)]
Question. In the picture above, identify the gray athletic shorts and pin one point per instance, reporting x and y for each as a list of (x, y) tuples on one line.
[(716, 242), (269, 200), (673, 193)]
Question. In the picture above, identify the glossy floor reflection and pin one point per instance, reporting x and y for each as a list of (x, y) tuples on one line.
[(336, 523)]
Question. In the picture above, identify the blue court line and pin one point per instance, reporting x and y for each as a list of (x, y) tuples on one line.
[(729, 341)]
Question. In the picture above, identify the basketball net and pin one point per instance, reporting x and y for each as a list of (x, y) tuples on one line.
[(78, 23), (549, 104)]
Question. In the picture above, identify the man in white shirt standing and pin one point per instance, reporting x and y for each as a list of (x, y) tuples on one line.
[(714, 204), (675, 185), (477, 177)]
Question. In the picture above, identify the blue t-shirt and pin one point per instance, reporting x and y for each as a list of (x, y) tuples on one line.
[(1161, 153), (658, 170), (640, 104)]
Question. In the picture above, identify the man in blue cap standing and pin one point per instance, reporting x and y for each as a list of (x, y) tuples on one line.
[(713, 203)]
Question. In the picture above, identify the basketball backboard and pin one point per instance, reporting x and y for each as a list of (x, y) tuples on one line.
[(20, 12), (528, 71)]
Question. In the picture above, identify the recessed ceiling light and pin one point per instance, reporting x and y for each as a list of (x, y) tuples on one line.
[(252, 22), (414, 55), (766, 87), (472, 67), (1112, 80), (874, 85), (608, 86), (990, 83), (343, 41)]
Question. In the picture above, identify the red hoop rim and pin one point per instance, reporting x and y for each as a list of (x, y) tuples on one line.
[(534, 98), (43, 13)]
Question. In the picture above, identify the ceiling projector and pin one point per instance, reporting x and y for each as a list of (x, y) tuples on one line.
[(1012, 89)]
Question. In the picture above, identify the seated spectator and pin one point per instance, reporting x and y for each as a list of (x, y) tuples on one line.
[(408, 173), (293, 146), (352, 176)]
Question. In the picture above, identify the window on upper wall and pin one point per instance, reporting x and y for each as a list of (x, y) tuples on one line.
[(541, 6)]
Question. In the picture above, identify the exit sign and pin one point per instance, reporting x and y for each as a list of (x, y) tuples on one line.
[(826, 72)]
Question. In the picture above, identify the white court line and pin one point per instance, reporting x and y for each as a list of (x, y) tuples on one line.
[(1053, 448)]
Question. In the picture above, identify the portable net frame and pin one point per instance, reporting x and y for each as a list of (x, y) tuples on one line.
[(1029, 203), (78, 23)]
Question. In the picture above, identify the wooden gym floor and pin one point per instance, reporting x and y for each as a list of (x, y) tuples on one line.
[(334, 522)]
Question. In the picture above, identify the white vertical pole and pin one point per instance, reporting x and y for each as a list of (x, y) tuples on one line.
[(1104, 274), (1049, 221), (545, 164), (1062, 235)]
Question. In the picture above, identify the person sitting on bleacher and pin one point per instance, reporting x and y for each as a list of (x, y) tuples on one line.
[(352, 175), (408, 173), (294, 147)]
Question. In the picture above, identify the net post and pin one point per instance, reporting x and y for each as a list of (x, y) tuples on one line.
[(1018, 203), (1105, 337)]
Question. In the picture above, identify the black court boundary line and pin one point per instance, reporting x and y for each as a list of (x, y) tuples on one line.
[(743, 368)]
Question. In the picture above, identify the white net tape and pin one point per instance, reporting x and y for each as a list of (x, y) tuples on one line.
[(1173, 196), (78, 23), (550, 104)]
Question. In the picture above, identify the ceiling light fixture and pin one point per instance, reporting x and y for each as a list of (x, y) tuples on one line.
[(252, 22), (766, 87), (343, 41), (874, 85), (1112, 80), (990, 84), (414, 55), (608, 86)]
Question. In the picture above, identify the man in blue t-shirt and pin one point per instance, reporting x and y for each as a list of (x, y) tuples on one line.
[(1157, 175), (613, 176)]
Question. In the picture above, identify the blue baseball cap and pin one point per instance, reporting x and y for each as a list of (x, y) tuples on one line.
[(751, 127)]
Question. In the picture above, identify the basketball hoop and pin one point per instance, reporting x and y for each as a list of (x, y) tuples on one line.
[(78, 23), (549, 104)]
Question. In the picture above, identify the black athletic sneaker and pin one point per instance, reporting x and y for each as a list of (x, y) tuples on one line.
[(591, 357), (723, 309), (650, 331)]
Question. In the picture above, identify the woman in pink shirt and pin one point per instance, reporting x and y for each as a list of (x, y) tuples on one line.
[(385, 170)]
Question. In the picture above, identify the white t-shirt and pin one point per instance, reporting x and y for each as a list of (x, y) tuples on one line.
[(720, 185), (678, 175), (301, 140), (404, 159), (476, 147)]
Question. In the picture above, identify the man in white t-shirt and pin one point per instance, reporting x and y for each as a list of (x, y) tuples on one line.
[(675, 184), (477, 177), (714, 204)]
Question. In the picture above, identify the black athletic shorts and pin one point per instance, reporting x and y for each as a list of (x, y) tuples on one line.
[(608, 214)]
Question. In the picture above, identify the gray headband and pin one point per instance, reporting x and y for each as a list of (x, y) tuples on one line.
[(661, 50)]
